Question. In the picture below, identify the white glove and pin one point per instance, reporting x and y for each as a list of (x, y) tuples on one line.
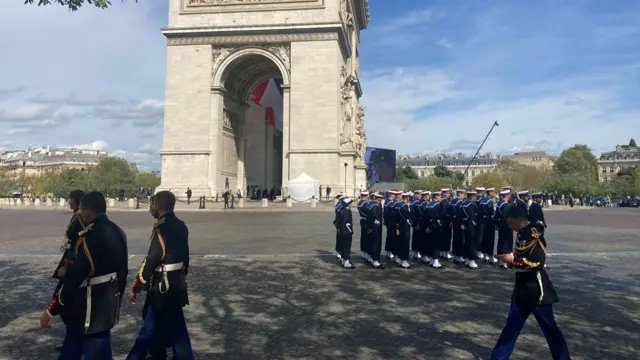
[(349, 228)]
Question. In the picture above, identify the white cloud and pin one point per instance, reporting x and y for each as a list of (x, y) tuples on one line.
[(95, 145)]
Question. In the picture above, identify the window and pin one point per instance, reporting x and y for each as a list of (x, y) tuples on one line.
[(604, 170), (473, 173), (611, 169)]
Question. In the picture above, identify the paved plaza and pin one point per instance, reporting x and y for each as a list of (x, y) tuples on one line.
[(262, 286)]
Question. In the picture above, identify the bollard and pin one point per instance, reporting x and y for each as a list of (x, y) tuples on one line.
[(202, 200), (63, 203), (131, 203), (313, 201), (265, 203), (289, 202), (37, 202), (111, 203), (241, 202), (217, 198), (49, 202), (26, 202)]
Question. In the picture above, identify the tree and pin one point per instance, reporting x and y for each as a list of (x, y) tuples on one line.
[(459, 177), (111, 175), (405, 173), (73, 5), (442, 171), (430, 183), (147, 179), (577, 159), (632, 143)]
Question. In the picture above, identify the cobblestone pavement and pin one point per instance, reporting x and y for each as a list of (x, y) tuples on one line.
[(279, 295)]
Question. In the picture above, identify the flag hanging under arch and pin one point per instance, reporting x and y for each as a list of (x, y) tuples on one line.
[(268, 94)]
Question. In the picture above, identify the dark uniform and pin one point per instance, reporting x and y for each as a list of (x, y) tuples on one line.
[(417, 235), (435, 227), (390, 222), (91, 291), (533, 294), (470, 223), (374, 229), (363, 207), (164, 271), (480, 224), (403, 233), (426, 232), (488, 229), (505, 235), (338, 247), (446, 216), (536, 215), (345, 233), (458, 236), (69, 248)]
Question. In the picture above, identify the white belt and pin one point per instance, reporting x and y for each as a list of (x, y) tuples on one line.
[(164, 269), (88, 283)]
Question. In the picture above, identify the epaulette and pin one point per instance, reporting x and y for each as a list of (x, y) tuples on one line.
[(82, 241), (535, 234), (156, 231)]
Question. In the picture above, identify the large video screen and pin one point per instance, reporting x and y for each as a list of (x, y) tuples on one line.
[(381, 165)]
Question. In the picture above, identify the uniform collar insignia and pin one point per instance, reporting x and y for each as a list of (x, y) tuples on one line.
[(159, 222)]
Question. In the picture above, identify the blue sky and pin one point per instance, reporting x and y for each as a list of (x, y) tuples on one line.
[(436, 74)]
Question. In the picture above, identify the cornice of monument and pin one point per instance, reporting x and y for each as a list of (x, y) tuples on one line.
[(219, 6)]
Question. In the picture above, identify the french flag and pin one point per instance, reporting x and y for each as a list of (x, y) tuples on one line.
[(268, 94)]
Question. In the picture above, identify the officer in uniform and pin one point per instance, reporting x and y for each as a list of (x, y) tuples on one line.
[(339, 204), (164, 274), (417, 235), (458, 235), (446, 215), (533, 292), (536, 215), (522, 202), (345, 232), (434, 230), (71, 238), (90, 295), (424, 223), (389, 223), (374, 229), (489, 228), (470, 228), (403, 231), (480, 216), (363, 206), (505, 235)]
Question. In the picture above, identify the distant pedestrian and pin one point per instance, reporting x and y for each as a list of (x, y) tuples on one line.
[(189, 193)]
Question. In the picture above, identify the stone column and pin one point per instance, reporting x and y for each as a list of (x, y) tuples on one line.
[(286, 124), (215, 135), (268, 171)]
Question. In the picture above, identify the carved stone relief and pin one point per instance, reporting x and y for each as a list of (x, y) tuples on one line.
[(235, 2), (227, 120), (347, 88), (361, 134)]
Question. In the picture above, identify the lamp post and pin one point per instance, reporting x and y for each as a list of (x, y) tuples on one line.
[(345, 177)]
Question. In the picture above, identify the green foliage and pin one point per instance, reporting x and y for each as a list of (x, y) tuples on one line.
[(108, 177), (73, 5), (632, 143), (441, 171), (576, 160), (405, 173), (509, 172), (430, 183), (626, 182)]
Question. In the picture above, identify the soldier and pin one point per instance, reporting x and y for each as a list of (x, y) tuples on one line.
[(345, 232), (403, 231), (522, 202), (533, 292), (489, 228), (89, 298), (424, 222), (536, 215), (470, 228), (363, 205), (374, 226), (164, 270), (389, 223), (434, 230), (458, 235), (417, 235), (339, 204), (480, 216), (446, 214), (505, 235), (71, 238)]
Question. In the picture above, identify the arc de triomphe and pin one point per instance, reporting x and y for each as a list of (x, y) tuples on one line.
[(215, 137)]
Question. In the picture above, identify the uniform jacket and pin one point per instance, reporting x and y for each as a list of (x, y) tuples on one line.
[(446, 214), (101, 249), (434, 215), (345, 222), (488, 209), (403, 220), (425, 216), (374, 217), (363, 207), (415, 212), (389, 218), (169, 245), (71, 235), (533, 286), (536, 214), (469, 217), (499, 218), (339, 206), (523, 206), (456, 206)]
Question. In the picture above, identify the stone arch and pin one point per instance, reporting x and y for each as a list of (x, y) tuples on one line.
[(257, 150)]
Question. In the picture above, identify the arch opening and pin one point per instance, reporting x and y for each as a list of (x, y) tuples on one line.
[(252, 131)]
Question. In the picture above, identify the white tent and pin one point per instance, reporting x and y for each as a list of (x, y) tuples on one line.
[(303, 188)]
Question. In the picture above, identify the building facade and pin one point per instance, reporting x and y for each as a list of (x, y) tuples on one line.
[(36, 160), (425, 165), (610, 163), (538, 159)]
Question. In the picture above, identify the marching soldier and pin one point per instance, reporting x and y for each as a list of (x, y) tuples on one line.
[(363, 206), (339, 204), (345, 232), (417, 236), (536, 215), (480, 216), (71, 238), (446, 215), (489, 228), (522, 202), (389, 223), (164, 270), (505, 234), (425, 223), (458, 235), (403, 231), (374, 225), (89, 298), (470, 228), (533, 292), (434, 230)]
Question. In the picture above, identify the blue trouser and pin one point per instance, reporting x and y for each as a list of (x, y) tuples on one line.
[(515, 322), (93, 347), (159, 331)]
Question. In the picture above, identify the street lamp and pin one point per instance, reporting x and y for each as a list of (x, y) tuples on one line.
[(345, 177)]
